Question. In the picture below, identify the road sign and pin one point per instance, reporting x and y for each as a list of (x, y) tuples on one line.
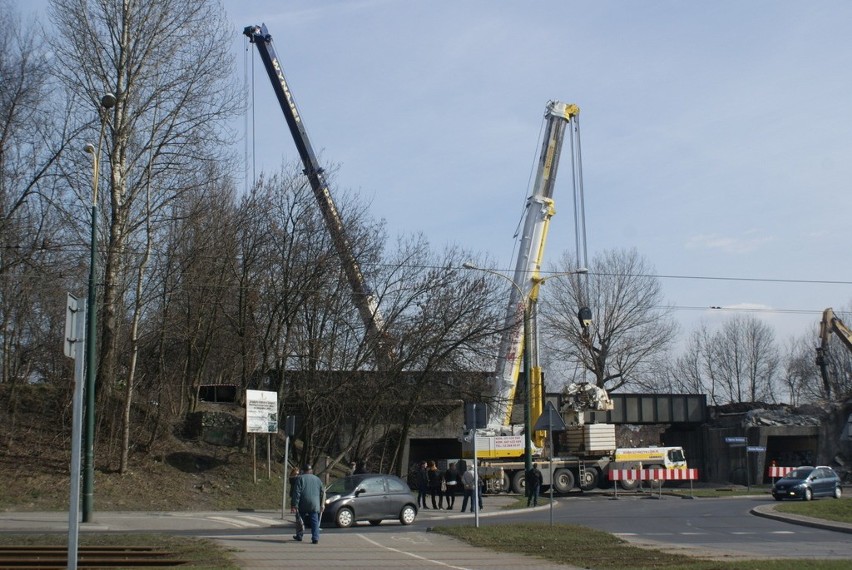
[(755, 449), (549, 419), (74, 309), (735, 440)]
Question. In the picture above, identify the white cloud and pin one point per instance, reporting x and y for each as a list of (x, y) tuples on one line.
[(748, 242)]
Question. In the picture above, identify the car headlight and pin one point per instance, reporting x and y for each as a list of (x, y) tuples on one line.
[(331, 499)]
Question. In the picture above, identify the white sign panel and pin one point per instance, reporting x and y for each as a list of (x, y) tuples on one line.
[(261, 411)]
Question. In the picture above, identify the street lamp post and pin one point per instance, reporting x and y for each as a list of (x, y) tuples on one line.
[(526, 303), (107, 102)]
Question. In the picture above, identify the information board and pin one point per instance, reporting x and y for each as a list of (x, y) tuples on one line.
[(261, 411)]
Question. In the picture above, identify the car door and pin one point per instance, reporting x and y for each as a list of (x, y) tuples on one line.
[(820, 483), (370, 498), (398, 496)]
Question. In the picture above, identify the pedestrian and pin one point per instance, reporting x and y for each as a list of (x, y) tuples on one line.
[(451, 483), (361, 469), (434, 479), (291, 480), (308, 503), (422, 485), (353, 468), (533, 480), (469, 486)]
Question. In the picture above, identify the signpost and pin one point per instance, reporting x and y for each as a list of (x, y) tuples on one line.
[(552, 421), (75, 335), (289, 431), (475, 417)]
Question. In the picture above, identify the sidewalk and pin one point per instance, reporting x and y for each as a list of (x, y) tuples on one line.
[(405, 547)]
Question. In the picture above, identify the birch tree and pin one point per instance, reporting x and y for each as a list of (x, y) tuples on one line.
[(167, 63)]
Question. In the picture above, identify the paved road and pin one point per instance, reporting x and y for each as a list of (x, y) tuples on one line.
[(723, 527), (720, 528)]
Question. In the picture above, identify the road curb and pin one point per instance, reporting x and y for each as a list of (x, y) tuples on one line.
[(769, 512)]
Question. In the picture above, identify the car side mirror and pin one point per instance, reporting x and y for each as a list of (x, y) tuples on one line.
[(359, 491)]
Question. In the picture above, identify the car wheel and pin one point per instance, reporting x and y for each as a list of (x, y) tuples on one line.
[(344, 518), (376, 522), (629, 484), (838, 492), (808, 495), (406, 515)]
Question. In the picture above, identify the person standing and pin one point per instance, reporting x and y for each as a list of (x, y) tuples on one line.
[(469, 485), (533, 480), (434, 478), (451, 480), (308, 502), (422, 485)]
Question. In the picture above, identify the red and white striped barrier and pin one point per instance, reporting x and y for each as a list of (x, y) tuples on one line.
[(653, 474), (775, 471)]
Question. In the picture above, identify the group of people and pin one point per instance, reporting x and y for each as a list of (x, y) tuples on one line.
[(439, 485)]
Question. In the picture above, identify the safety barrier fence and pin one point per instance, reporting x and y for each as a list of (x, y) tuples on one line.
[(653, 474), (659, 475), (774, 471)]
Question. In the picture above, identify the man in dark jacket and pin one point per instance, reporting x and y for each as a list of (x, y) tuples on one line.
[(422, 485), (533, 480), (308, 501)]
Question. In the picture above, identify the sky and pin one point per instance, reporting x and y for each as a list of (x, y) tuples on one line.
[(716, 136)]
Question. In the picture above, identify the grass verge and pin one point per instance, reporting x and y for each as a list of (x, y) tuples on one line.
[(829, 509), (597, 550), (198, 552)]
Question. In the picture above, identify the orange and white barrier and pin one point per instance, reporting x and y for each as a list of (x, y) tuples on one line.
[(775, 471), (653, 474)]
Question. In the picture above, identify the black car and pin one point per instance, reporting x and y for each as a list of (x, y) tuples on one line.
[(808, 482), (369, 497)]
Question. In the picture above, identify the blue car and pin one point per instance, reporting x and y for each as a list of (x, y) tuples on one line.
[(806, 483)]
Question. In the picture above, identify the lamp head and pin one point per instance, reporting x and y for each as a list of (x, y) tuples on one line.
[(108, 101), (90, 148), (469, 265)]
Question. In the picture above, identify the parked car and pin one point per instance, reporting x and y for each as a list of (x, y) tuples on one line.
[(369, 497), (808, 482)]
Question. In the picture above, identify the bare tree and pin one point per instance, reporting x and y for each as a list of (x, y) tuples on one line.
[(167, 63), (747, 359), (739, 362), (37, 257), (800, 377), (695, 370), (631, 323)]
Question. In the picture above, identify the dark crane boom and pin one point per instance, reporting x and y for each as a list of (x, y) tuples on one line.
[(364, 298)]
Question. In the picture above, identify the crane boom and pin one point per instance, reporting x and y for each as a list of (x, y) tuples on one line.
[(539, 210), (364, 298)]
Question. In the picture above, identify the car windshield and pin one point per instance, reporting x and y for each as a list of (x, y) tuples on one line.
[(800, 473), (676, 455), (344, 485)]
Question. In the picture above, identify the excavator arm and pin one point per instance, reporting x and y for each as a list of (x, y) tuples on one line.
[(830, 324)]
